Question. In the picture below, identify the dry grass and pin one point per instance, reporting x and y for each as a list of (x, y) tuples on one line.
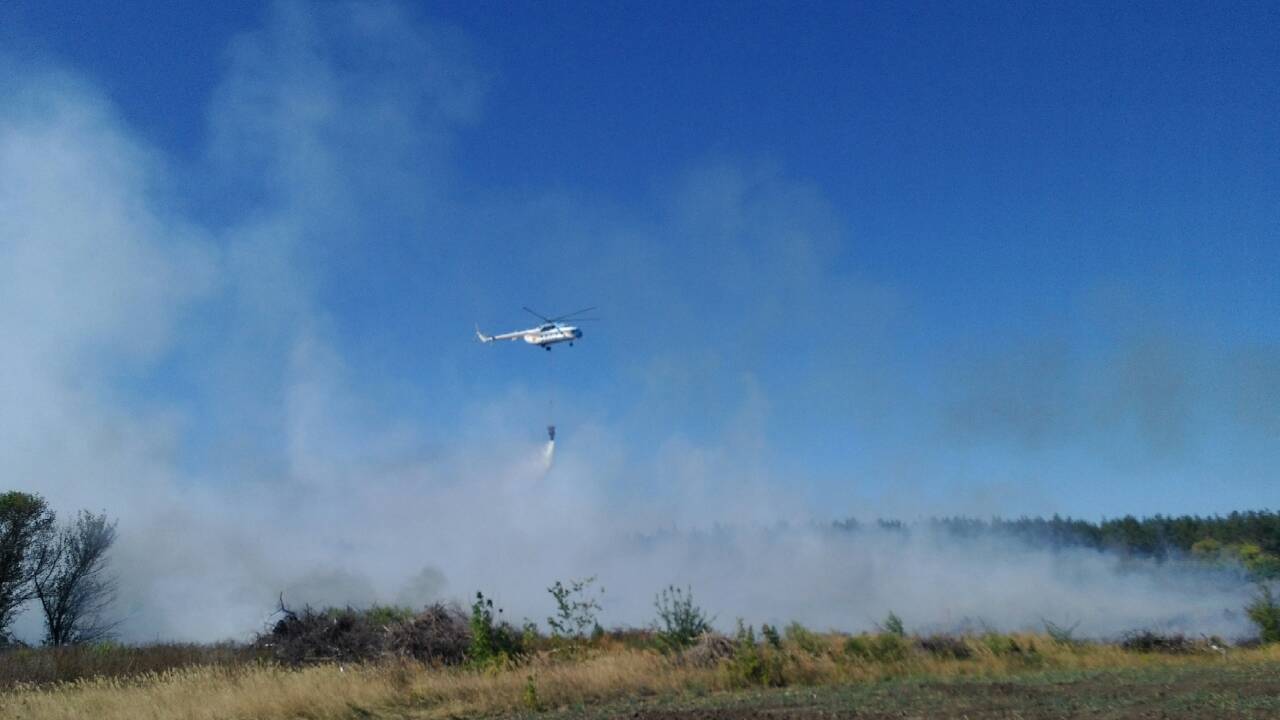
[(45, 665), (335, 692), (412, 690)]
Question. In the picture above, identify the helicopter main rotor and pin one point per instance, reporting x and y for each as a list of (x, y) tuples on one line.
[(567, 317)]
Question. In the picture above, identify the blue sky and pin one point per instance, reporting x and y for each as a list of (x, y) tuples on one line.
[(876, 258)]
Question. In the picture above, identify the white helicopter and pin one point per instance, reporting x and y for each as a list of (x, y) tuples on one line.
[(551, 331)]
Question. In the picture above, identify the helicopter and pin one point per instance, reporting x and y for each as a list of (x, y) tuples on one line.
[(551, 331)]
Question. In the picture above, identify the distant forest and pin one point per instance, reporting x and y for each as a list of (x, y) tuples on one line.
[(1249, 539)]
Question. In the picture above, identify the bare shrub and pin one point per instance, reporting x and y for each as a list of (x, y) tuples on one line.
[(945, 646), (439, 635), (1061, 634), (330, 635), (1148, 641), (708, 651), (74, 589)]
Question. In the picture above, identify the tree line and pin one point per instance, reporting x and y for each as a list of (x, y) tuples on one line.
[(62, 567), (1251, 538)]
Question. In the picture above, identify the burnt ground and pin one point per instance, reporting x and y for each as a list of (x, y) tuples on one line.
[(1226, 691)]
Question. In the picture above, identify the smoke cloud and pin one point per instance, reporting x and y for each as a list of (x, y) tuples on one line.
[(199, 379)]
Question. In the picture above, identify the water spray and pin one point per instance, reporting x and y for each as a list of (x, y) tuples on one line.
[(549, 453)]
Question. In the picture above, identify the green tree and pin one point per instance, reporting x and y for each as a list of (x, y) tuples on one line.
[(1264, 611), (1206, 549), (1248, 553), (26, 534)]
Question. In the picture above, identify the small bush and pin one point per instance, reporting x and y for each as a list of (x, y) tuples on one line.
[(805, 639), (1001, 645), (1264, 611), (1147, 641), (493, 641), (771, 636), (577, 605), (944, 646), (530, 695), (752, 665), (381, 616), (858, 647), (893, 625), (879, 648), (680, 621)]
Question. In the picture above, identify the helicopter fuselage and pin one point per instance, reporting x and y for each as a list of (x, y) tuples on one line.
[(543, 336), (548, 335)]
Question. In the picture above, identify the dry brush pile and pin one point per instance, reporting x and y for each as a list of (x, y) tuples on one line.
[(438, 635)]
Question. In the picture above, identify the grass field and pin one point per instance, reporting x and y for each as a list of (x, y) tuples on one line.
[(1215, 691), (611, 680)]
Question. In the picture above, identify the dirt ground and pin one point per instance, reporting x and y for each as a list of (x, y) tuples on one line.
[(1206, 692)]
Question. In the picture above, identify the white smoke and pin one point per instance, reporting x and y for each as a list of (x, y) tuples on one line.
[(190, 381)]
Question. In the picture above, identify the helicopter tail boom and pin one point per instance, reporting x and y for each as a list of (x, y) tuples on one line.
[(504, 336)]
